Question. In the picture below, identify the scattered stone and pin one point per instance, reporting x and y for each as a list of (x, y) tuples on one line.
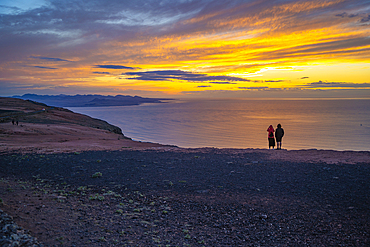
[(13, 235), (202, 191)]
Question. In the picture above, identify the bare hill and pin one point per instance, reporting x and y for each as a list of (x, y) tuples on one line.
[(40, 128)]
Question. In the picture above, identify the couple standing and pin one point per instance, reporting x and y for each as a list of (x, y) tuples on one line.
[(279, 133)]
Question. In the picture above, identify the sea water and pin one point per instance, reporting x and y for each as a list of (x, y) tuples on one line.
[(240, 123)]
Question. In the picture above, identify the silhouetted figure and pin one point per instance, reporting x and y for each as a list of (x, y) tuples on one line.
[(279, 133), (271, 137), (17, 122), (13, 121)]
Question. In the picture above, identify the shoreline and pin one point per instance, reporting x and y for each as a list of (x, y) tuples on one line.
[(69, 138), (29, 138), (43, 129), (319, 134)]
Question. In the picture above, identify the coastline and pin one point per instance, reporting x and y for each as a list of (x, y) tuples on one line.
[(245, 125), (43, 129), (69, 138), (69, 183)]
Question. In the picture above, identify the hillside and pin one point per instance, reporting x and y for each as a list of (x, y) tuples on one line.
[(27, 111), (42, 128)]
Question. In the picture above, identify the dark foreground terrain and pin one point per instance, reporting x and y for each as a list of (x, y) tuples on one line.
[(201, 197)]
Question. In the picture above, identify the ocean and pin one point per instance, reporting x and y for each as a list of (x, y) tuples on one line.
[(332, 124)]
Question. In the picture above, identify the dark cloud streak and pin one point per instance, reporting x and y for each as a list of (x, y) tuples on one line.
[(345, 14), (365, 19), (101, 73), (167, 75), (274, 80), (253, 88), (113, 67), (43, 67), (337, 84), (53, 59), (221, 82)]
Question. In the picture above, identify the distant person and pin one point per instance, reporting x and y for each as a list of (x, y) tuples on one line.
[(271, 137), (279, 133), (17, 122), (13, 121)]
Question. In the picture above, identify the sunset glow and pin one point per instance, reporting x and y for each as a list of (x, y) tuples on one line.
[(186, 48)]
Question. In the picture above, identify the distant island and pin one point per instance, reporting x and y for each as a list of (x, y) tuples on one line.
[(90, 100)]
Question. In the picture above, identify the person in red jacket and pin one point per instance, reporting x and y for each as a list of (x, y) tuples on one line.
[(271, 137)]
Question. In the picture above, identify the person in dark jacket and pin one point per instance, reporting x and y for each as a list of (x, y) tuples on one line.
[(271, 137), (279, 133)]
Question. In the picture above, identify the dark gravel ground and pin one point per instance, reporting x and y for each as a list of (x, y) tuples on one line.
[(205, 197)]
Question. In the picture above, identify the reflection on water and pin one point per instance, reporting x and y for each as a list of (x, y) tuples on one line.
[(320, 124)]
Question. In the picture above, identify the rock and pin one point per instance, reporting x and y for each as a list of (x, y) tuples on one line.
[(202, 191), (12, 235)]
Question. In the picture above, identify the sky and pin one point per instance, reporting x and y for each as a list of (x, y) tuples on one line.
[(186, 48)]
